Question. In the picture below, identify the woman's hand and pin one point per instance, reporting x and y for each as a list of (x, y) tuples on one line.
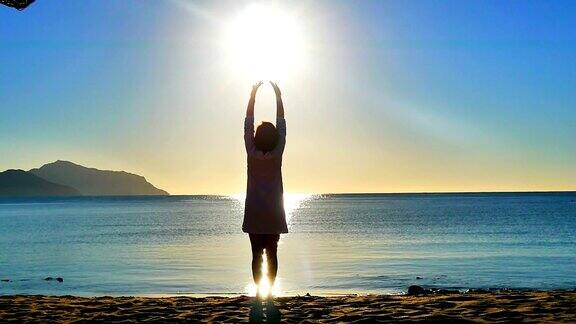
[(276, 89), (279, 104), (255, 88), (250, 109)]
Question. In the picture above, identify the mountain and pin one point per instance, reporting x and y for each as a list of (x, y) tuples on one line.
[(19, 183), (94, 182)]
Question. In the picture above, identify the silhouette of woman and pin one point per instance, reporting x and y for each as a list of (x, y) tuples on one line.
[(264, 216)]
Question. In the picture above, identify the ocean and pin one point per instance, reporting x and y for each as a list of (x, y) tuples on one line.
[(338, 244)]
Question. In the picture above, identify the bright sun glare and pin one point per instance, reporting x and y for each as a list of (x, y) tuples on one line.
[(265, 42), (263, 288)]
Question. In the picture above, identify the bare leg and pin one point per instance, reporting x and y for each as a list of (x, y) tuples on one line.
[(272, 261), (257, 264), (257, 251)]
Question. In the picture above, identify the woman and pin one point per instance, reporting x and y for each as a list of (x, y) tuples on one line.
[(264, 216)]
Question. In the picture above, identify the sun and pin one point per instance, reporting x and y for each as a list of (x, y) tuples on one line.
[(264, 42)]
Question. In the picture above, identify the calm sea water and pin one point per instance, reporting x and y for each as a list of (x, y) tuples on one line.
[(337, 244)]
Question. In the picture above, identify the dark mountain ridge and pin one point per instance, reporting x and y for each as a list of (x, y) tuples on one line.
[(95, 182), (19, 183)]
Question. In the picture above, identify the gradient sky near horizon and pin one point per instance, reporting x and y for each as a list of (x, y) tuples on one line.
[(392, 96)]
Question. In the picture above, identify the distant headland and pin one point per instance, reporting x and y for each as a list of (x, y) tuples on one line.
[(64, 178)]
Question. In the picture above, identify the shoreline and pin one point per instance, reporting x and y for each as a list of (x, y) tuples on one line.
[(423, 290), (471, 307)]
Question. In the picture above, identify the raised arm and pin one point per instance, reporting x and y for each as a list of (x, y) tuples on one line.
[(250, 108), (249, 121), (279, 104), (280, 122)]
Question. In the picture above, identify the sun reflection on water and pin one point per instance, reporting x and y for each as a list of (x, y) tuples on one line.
[(292, 201)]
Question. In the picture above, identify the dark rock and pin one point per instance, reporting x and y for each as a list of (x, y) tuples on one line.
[(59, 279), (479, 290), (476, 290), (418, 278), (5, 280), (416, 290), (48, 278), (442, 291)]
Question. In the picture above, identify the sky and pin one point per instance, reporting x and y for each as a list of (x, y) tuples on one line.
[(387, 96)]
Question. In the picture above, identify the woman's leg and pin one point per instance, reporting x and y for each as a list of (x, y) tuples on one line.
[(272, 257), (257, 251)]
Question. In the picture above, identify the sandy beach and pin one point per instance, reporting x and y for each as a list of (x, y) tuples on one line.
[(485, 307)]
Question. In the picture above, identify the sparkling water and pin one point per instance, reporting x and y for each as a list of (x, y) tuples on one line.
[(366, 243)]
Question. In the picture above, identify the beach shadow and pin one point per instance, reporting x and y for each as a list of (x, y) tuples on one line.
[(258, 309), (273, 314)]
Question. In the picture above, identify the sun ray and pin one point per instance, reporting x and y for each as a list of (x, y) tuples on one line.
[(196, 10)]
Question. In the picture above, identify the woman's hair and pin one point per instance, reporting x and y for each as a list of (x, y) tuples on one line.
[(266, 137)]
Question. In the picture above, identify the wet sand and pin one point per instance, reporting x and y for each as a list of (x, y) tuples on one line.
[(486, 307)]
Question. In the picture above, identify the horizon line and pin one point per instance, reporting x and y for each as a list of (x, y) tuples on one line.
[(394, 193)]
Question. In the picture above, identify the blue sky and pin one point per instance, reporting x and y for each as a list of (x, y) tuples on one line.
[(395, 95)]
